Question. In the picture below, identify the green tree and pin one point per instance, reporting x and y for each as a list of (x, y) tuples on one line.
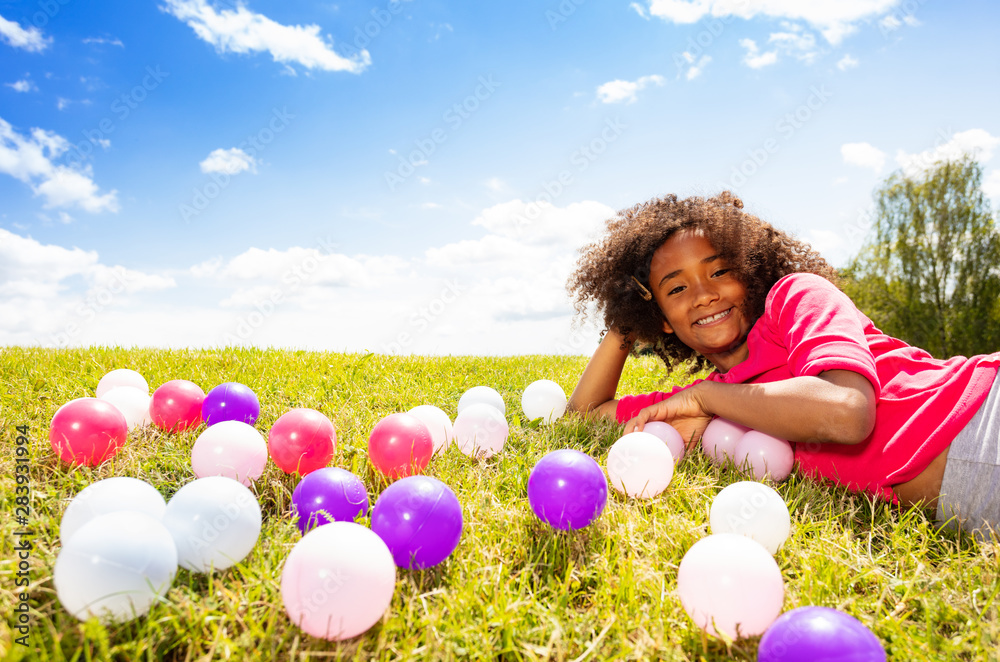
[(929, 271)]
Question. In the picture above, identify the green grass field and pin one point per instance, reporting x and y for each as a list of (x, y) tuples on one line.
[(514, 589)]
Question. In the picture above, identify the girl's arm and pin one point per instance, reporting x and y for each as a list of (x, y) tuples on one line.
[(835, 406), (595, 393)]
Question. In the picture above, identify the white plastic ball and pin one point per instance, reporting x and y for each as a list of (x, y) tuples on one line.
[(233, 449), (543, 399), (110, 495), (132, 403), (122, 377), (754, 510), (439, 424), (730, 584), (215, 522), (481, 430), (640, 465), (338, 581), (115, 567), (482, 395)]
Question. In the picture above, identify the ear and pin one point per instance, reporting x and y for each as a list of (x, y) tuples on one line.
[(666, 326)]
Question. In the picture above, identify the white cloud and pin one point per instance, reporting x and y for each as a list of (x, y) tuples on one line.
[(496, 184), (991, 184), (835, 19), (889, 23), (229, 161), (241, 31), (640, 10), (795, 41), (617, 91), (697, 66), (22, 86), (501, 293), (103, 41), (863, 155), (29, 159), (847, 62), (50, 294), (754, 58), (977, 143), (30, 40)]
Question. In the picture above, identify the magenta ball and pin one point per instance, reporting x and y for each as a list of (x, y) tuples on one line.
[(567, 489), (420, 520), (230, 401), (765, 455), (819, 633), (328, 495)]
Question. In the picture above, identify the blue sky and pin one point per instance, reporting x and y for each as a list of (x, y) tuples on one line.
[(417, 176)]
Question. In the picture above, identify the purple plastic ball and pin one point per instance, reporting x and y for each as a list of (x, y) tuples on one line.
[(420, 519), (230, 401), (820, 634), (328, 495), (567, 489)]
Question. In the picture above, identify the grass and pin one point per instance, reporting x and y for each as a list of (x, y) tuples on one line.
[(514, 589)]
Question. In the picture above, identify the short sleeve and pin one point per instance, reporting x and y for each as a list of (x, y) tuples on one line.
[(820, 327)]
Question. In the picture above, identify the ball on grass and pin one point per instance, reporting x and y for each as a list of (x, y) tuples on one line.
[(87, 431), (338, 581), (115, 567)]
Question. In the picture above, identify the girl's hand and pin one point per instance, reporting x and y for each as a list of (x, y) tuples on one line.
[(684, 411)]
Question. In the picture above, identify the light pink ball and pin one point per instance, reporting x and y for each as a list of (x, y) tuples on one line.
[(640, 465), (132, 402), (669, 435), (729, 583), (122, 377), (232, 449), (720, 439), (766, 455), (338, 581), (441, 429)]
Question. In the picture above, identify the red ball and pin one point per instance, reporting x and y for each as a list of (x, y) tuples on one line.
[(176, 406), (87, 431), (400, 445), (302, 441)]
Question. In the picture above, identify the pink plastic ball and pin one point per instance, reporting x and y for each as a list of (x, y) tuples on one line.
[(669, 435), (765, 455), (729, 583), (720, 439), (338, 580), (233, 449), (176, 406), (87, 431), (301, 441), (400, 445)]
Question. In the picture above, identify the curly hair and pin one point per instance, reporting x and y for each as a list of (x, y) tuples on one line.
[(614, 271)]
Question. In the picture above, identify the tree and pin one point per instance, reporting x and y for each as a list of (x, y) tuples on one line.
[(929, 272)]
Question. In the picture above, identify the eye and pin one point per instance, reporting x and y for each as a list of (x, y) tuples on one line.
[(720, 272), (676, 290)]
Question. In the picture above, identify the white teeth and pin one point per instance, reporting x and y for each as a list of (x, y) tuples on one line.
[(711, 319)]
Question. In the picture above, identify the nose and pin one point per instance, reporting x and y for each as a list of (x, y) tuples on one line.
[(705, 292)]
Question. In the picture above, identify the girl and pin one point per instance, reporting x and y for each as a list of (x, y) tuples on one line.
[(793, 357)]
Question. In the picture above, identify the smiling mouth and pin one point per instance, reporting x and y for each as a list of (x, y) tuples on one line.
[(714, 318)]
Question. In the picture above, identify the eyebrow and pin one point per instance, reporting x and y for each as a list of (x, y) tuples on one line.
[(672, 274)]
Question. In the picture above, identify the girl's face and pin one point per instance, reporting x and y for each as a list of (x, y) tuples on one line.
[(701, 298)]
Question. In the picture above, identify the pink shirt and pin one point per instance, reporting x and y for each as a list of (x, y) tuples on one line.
[(808, 327)]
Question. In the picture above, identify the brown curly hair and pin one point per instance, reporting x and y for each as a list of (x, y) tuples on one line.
[(610, 271)]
